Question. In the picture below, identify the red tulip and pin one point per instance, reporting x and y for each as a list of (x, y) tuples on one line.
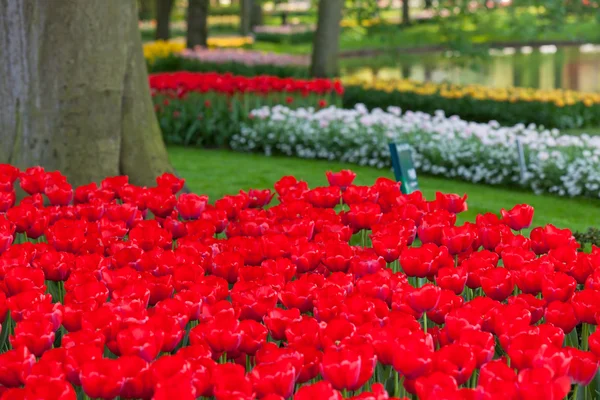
[(341, 366), (541, 383), (138, 377), (583, 366), (15, 366), (453, 279), (341, 179), (322, 390), (102, 378), (273, 378), (456, 360), (425, 298), (451, 202), (23, 279), (457, 238), (36, 335), (414, 356), (497, 283), (230, 382), (190, 205), (324, 197), (144, 341), (278, 319), (519, 217), (561, 315), (50, 389), (222, 334)]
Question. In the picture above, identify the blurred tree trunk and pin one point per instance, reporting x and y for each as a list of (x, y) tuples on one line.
[(197, 23), (405, 12), (146, 10), (428, 4), (163, 19), (74, 92), (256, 19), (326, 43), (246, 17)]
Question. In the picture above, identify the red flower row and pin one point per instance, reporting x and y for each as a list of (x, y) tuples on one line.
[(119, 290), (184, 82)]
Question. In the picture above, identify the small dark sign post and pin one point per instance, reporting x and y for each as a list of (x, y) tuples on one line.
[(404, 169)]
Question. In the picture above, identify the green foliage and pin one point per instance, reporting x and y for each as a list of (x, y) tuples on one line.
[(174, 63), (302, 37), (506, 113), (211, 119), (589, 237)]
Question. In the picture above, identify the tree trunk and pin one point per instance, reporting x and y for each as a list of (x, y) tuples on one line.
[(256, 18), (145, 11), (326, 43), (428, 4), (163, 19), (405, 12), (197, 23), (74, 92), (246, 17)]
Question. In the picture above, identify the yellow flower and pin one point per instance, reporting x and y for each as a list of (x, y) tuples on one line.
[(162, 48), (478, 92)]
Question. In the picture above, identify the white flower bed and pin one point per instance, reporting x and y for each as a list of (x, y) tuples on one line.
[(447, 146)]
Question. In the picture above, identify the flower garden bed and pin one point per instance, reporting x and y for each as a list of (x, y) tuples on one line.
[(207, 109), (552, 108), (337, 291), (445, 146)]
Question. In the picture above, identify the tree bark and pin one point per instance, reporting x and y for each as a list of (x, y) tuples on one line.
[(197, 23), (405, 12), (256, 17), (163, 19), (326, 43), (246, 17), (74, 92)]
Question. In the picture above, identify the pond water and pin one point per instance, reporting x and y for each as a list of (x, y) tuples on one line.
[(545, 67)]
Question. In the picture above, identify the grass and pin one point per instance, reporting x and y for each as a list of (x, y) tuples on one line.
[(220, 172)]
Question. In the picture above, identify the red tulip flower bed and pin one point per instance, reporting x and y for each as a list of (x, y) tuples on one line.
[(338, 291), (207, 108)]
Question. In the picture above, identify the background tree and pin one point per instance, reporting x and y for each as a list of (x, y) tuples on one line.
[(74, 92), (246, 17), (163, 19), (405, 12), (256, 17), (146, 10), (197, 23), (324, 62)]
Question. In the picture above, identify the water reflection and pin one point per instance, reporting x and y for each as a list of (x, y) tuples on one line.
[(546, 67)]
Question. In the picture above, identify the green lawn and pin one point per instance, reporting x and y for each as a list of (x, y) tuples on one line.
[(220, 172)]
